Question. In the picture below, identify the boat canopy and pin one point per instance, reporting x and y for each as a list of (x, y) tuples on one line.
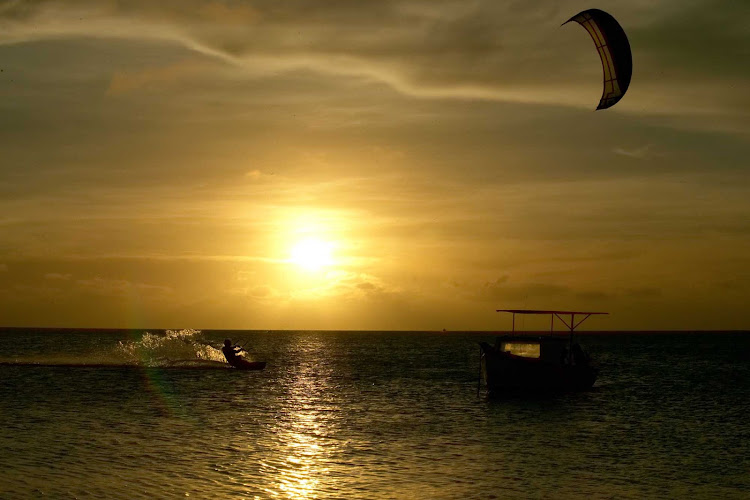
[(572, 325), (539, 311)]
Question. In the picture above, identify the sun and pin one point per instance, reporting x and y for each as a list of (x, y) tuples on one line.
[(312, 254)]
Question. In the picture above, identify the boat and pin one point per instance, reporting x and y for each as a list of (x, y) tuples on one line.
[(534, 363)]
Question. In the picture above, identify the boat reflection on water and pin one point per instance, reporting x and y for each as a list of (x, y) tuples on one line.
[(522, 363)]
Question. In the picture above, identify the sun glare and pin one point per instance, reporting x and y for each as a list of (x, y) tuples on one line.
[(312, 254)]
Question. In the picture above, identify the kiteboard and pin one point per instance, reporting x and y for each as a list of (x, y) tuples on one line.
[(242, 364)]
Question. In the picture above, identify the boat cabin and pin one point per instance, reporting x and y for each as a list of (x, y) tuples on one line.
[(547, 349)]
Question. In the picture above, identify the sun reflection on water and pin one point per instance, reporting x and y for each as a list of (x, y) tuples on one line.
[(303, 465), (301, 478)]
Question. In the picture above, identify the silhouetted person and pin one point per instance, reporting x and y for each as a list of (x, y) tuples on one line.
[(231, 353), (579, 357)]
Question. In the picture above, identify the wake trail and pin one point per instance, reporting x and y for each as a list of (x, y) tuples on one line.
[(173, 349)]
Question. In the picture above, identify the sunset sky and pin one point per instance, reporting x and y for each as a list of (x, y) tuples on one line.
[(409, 164)]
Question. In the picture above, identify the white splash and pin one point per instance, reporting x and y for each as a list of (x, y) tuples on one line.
[(171, 346)]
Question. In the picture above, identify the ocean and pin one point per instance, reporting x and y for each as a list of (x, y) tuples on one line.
[(109, 414)]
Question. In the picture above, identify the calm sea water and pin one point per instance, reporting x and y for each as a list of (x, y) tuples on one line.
[(366, 415)]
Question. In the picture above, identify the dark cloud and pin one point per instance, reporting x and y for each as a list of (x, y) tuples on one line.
[(502, 289), (644, 292), (734, 284), (710, 37), (594, 295), (470, 49)]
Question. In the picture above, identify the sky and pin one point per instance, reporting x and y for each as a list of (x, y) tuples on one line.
[(371, 164)]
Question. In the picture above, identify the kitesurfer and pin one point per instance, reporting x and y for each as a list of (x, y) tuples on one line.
[(231, 353)]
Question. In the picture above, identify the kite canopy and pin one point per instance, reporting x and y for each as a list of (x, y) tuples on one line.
[(614, 50)]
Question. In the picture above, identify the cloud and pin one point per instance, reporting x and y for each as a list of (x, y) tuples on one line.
[(733, 285), (453, 49), (263, 292), (344, 285), (502, 289), (226, 14), (120, 288), (684, 37), (259, 293), (35, 292), (643, 292), (637, 153), (594, 295), (58, 276), (257, 175), (128, 81)]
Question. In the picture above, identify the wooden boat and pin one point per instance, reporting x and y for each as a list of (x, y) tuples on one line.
[(527, 363)]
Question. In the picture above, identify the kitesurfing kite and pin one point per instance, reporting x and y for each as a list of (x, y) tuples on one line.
[(614, 50)]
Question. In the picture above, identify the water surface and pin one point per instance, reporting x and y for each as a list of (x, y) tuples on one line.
[(365, 415)]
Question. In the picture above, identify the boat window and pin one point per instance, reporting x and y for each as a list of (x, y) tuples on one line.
[(522, 349)]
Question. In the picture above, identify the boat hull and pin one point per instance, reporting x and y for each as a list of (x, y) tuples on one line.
[(503, 372)]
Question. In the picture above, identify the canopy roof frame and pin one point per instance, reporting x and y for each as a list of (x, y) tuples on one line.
[(554, 314)]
